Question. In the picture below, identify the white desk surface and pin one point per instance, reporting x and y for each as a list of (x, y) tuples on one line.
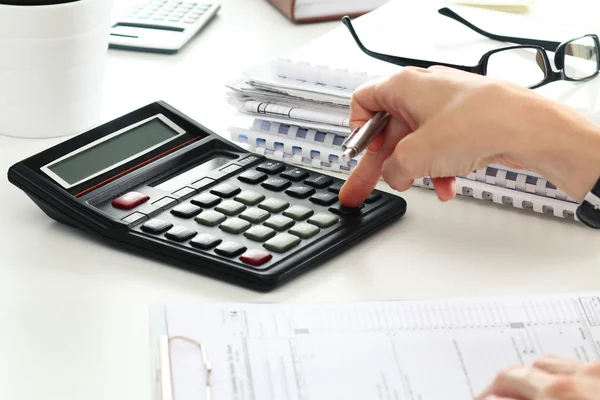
[(74, 313)]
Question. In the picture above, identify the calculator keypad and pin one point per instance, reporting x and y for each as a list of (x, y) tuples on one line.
[(169, 10), (255, 216)]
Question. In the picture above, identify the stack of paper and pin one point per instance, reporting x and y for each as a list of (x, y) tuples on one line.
[(298, 108)]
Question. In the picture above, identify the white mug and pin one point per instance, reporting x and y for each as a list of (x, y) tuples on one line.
[(52, 61)]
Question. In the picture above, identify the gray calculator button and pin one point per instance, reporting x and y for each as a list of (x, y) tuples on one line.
[(230, 207), (210, 218), (304, 230), (255, 215), (250, 198), (235, 225), (230, 249), (174, 19), (298, 212), (260, 233), (274, 205), (323, 220), (158, 18), (282, 243), (279, 222)]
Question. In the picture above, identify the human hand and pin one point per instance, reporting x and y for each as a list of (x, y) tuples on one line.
[(447, 123), (550, 378)]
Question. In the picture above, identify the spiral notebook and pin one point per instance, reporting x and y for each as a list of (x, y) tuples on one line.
[(388, 349), (322, 150)]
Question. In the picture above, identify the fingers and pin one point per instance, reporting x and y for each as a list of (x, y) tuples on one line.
[(521, 383), (367, 173), (556, 365)]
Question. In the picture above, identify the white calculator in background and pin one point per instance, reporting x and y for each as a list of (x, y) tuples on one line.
[(163, 26)]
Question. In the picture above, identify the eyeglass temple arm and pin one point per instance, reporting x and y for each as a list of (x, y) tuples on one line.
[(546, 44), (402, 61)]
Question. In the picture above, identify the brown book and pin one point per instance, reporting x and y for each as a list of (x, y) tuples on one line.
[(289, 9)]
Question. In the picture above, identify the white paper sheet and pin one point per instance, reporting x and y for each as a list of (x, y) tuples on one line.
[(407, 350)]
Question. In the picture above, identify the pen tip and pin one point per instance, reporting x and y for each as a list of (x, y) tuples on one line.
[(347, 156)]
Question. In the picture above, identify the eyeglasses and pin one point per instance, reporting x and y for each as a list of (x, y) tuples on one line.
[(526, 64)]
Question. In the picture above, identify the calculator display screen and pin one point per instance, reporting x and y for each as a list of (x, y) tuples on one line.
[(113, 150)]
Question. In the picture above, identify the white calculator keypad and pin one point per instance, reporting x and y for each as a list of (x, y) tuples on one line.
[(168, 11)]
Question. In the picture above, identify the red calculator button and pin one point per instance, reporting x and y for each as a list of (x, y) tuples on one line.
[(256, 257), (130, 200)]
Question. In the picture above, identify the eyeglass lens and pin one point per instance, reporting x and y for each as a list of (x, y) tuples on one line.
[(581, 58), (523, 66)]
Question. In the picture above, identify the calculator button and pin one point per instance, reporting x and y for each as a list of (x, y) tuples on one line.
[(323, 220), (165, 203), (319, 181), (134, 218), (304, 230), (276, 184), (130, 200), (180, 234), (256, 257), (282, 243), (189, 21), (205, 241), (253, 177), (279, 222), (274, 205), (295, 174), (174, 19), (235, 225), (298, 212), (250, 198), (210, 218), (255, 215), (300, 191), (158, 18), (340, 209), (230, 207), (373, 197), (230, 249), (324, 199), (156, 226), (335, 188), (202, 183), (185, 192), (186, 210), (260, 233), (248, 160), (226, 190), (206, 200), (271, 167)]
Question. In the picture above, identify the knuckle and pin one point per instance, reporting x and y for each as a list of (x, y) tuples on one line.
[(592, 370), (561, 387)]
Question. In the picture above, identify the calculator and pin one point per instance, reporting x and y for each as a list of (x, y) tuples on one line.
[(159, 183), (163, 26)]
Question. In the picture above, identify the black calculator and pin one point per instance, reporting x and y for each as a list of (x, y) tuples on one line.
[(159, 183)]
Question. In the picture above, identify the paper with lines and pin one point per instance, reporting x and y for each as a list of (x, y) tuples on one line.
[(406, 350)]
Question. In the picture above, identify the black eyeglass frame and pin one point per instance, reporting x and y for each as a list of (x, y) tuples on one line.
[(558, 48), (481, 67)]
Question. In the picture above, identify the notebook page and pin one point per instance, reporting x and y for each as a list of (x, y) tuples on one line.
[(404, 350)]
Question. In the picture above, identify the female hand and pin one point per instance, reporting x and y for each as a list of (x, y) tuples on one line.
[(550, 378), (447, 123)]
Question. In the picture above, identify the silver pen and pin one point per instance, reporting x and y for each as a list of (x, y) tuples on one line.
[(360, 138)]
